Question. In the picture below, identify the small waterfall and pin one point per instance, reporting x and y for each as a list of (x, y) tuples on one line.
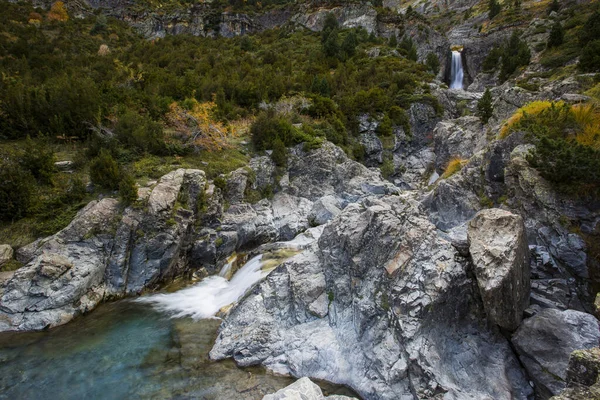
[(456, 71), (206, 298)]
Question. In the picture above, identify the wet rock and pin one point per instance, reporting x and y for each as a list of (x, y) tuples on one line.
[(545, 342), (499, 250)]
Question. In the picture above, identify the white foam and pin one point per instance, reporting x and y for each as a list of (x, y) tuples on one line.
[(206, 298)]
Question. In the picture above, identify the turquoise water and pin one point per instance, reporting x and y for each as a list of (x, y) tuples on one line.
[(127, 350)]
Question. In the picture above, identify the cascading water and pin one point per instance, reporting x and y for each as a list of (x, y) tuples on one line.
[(207, 297), (456, 71)]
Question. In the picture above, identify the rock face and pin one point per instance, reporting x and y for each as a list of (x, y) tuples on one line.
[(381, 303), (110, 252), (545, 341), (500, 253), (302, 389)]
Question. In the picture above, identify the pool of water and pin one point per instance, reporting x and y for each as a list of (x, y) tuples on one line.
[(151, 348)]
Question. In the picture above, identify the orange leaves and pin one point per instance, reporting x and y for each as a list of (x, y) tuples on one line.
[(194, 122), (58, 12)]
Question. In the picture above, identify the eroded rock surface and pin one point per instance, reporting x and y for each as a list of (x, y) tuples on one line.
[(383, 304)]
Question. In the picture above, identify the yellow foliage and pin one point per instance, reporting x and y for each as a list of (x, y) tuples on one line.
[(587, 117), (196, 123), (454, 165), (58, 12), (532, 108)]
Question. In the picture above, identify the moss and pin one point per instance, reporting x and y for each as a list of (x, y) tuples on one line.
[(219, 242), (10, 265)]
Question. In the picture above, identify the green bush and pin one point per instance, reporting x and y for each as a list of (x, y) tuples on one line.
[(105, 171), (564, 161), (557, 35), (494, 8), (590, 30), (16, 190), (279, 155), (128, 189), (38, 158), (590, 57), (140, 133)]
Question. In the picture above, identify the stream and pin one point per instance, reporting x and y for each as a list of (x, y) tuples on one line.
[(154, 347)]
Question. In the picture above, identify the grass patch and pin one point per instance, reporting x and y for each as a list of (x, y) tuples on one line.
[(454, 165)]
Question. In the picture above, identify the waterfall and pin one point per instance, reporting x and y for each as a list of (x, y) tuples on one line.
[(207, 297), (456, 71)]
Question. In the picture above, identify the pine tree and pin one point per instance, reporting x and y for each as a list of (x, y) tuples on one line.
[(433, 63), (554, 6), (557, 35), (393, 43), (331, 45), (349, 45), (128, 189), (484, 107)]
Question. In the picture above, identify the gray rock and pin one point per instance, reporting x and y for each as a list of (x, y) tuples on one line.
[(381, 304), (324, 209), (499, 250), (6, 253), (302, 389), (545, 341), (460, 138), (164, 195)]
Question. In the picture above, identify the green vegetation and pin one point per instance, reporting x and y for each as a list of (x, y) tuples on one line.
[(125, 109), (513, 54), (557, 35), (484, 107), (494, 8), (567, 140)]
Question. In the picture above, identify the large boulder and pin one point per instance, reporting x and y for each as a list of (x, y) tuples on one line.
[(545, 342), (381, 303), (499, 250)]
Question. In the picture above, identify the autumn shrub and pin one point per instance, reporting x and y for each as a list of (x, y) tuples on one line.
[(454, 165)]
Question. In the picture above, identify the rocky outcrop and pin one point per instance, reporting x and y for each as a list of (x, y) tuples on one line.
[(381, 303), (459, 138), (182, 224), (303, 389), (545, 341), (499, 250)]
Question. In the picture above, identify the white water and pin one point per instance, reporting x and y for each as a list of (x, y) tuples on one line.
[(456, 71), (206, 298)]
